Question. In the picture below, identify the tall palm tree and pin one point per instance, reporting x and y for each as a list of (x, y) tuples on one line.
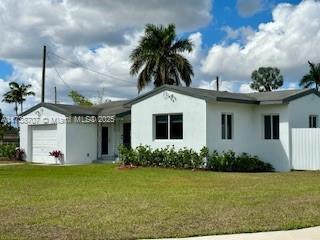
[(313, 77), (17, 95), (158, 58)]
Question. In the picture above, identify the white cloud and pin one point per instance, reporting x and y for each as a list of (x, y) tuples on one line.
[(242, 34), (245, 88), (287, 42), (97, 34), (30, 24), (248, 8), (223, 85)]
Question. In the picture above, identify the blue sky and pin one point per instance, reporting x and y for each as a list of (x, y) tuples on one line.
[(231, 39), (225, 13)]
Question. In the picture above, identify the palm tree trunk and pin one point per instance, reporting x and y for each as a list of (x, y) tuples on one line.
[(21, 107), (16, 108)]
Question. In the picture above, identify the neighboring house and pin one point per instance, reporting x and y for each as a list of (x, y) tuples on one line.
[(264, 124), (10, 137)]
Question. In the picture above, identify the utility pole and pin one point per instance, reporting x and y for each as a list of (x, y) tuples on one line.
[(217, 83), (43, 72), (55, 95)]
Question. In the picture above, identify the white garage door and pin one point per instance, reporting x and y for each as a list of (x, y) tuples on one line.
[(44, 140)]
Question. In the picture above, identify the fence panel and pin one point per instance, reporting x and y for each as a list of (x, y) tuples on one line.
[(306, 148)]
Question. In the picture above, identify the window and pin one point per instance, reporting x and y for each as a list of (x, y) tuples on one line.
[(226, 126), (163, 129), (176, 129), (313, 121), (271, 126)]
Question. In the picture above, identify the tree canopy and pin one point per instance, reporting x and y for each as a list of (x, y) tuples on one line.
[(158, 58), (312, 78), (79, 99), (266, 79)]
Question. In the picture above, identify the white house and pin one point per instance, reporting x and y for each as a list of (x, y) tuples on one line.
[(269, 125)]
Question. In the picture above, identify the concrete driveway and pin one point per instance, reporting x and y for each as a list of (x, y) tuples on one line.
[(301, 234)]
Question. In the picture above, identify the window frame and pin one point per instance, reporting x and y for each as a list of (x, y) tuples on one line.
[(226, 114), (311, 120), (168, 115), (271, 115)]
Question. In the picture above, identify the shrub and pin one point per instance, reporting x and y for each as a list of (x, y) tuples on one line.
[(187, 158), (8, 151)]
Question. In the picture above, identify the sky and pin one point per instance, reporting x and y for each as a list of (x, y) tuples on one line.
[(230, 38)]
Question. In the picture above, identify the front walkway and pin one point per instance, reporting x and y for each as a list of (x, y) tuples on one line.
[(301, 234)]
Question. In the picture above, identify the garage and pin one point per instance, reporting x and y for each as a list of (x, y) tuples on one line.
[(44, 140), (47, 127)]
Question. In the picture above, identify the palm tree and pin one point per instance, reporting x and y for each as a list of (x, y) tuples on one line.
[(313, 77), (158, 58), (17, 95)]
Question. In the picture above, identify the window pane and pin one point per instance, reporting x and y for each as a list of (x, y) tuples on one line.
[(313, 121), (162, 127), (229, 126), (176, 126), (275, 123), (223, 126), (310, 121), (267, 127)]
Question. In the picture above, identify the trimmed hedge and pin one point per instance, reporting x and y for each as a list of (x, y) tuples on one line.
[(186, 158)]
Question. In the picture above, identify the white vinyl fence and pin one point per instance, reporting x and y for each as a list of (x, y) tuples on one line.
[(306, 148)]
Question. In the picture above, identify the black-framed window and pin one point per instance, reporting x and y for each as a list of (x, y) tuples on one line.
[(271, 127), (226, 126), (161, 126), (313, 121), (176, 126), (169, 125)]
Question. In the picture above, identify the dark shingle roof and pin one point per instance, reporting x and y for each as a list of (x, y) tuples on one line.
[(121, 108), (113, 108), (275, 97), (110, 108)]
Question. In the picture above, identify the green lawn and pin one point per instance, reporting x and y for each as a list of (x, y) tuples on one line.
[(103, 202)]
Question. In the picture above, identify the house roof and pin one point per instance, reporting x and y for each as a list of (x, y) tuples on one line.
[(110, 108), (276, 97), (122, 108), (113, 108)]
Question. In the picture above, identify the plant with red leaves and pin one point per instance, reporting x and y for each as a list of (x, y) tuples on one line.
[(56, 153)]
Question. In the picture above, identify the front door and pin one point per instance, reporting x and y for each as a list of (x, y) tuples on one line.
[(127, 134), (104, 141)]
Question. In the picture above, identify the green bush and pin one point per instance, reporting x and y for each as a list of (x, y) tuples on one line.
[(8, 150), (186, 158), (230, 162)]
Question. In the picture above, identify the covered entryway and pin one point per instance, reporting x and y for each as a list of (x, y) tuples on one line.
[(44, 140), (306, 148)]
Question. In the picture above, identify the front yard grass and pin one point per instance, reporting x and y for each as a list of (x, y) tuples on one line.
[(103, 202)]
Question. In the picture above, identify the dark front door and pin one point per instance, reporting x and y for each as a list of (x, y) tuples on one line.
[(127, 134), (104, 141)]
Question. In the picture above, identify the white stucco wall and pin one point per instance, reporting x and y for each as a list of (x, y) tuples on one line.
[(47, 116), (248, 132), (242, 122), (77, 142), (276, 152), (301, 108), (81, 142), (194, 123)]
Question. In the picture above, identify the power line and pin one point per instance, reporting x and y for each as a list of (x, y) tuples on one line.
[(59, 75), (87, 68)]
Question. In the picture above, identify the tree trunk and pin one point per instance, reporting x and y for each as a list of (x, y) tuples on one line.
[(16, 108), (21, 107)]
